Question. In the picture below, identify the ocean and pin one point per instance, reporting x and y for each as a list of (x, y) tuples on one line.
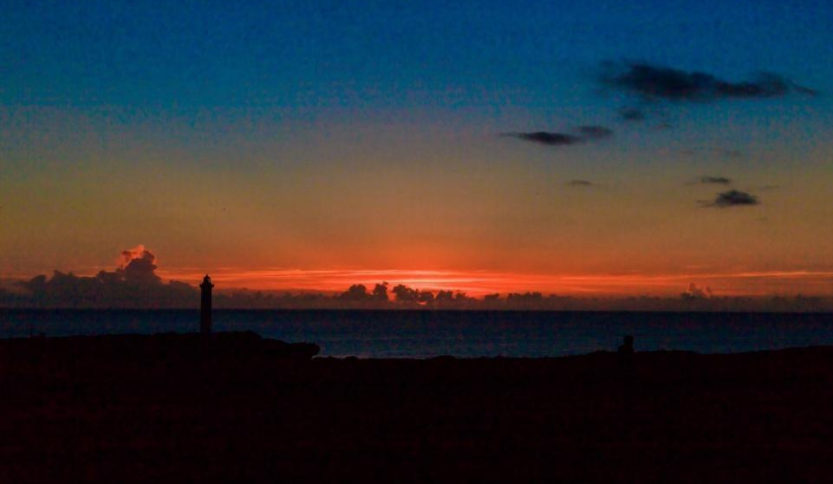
[(425, 334)]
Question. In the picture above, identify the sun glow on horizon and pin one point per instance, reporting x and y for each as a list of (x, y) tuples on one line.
[(480, 283)]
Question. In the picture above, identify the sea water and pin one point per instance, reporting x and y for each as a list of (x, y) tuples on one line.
[(425, 334)]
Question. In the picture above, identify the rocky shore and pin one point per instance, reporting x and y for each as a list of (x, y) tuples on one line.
[(237, 408)]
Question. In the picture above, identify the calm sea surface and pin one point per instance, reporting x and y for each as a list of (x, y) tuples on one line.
[(422, 334)]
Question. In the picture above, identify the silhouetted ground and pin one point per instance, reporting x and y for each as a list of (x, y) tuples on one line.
[(241, 409)]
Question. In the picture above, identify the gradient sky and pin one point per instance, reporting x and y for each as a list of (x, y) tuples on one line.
[(309, 144)]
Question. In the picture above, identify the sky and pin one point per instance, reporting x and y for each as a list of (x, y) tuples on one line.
[(571, 147)]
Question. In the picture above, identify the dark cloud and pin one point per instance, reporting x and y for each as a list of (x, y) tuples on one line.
[(656, 82), (139, 266), (632, 114), (357, 295), (595, 132), (715, 180), (580, 183), (584, 134), (134, 284), (548, 138), (734, 198), (68, 290)]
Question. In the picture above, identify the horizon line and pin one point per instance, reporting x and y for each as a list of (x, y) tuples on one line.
[(481, 282)]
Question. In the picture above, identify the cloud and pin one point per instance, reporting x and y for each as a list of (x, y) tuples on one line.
[(715, 180), (734, 198), (138, 252), (695, 292), (547, 138), (580, 183), (723, 152), (139, 266), (584, 134), (133, 284), (595, 132), (652, 82), (632, 114)]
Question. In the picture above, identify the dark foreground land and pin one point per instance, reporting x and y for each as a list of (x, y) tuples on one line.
[(241, 409)]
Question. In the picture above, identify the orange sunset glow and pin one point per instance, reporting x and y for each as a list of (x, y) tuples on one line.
[(480, 283), (595, 175)]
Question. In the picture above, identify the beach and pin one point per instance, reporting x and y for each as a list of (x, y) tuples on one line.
[(239, 408)]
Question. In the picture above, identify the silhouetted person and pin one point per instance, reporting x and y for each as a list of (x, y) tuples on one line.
[(626, 348), (205, 306)]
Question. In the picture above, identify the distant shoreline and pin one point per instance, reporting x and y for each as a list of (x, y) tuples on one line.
[(430, 310), (465, 334)]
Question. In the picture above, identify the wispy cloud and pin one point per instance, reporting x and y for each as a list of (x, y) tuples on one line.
[(652, 82), (632, 114), (547, 138), (715, 180), (721, 152), (595, 132), (580, 183), (550, 138)]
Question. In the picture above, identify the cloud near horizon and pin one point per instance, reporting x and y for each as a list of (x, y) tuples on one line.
[(134, 284), (139, 266), (715, 180), (734, 198), (326, 289), (696, 292)]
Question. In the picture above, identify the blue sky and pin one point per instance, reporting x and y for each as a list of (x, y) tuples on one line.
[(376, 55)]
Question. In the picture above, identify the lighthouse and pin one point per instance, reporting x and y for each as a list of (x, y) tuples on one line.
[(205, 306)]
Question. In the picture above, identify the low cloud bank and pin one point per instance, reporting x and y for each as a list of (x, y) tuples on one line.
[(68, 291), (134, 284)]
